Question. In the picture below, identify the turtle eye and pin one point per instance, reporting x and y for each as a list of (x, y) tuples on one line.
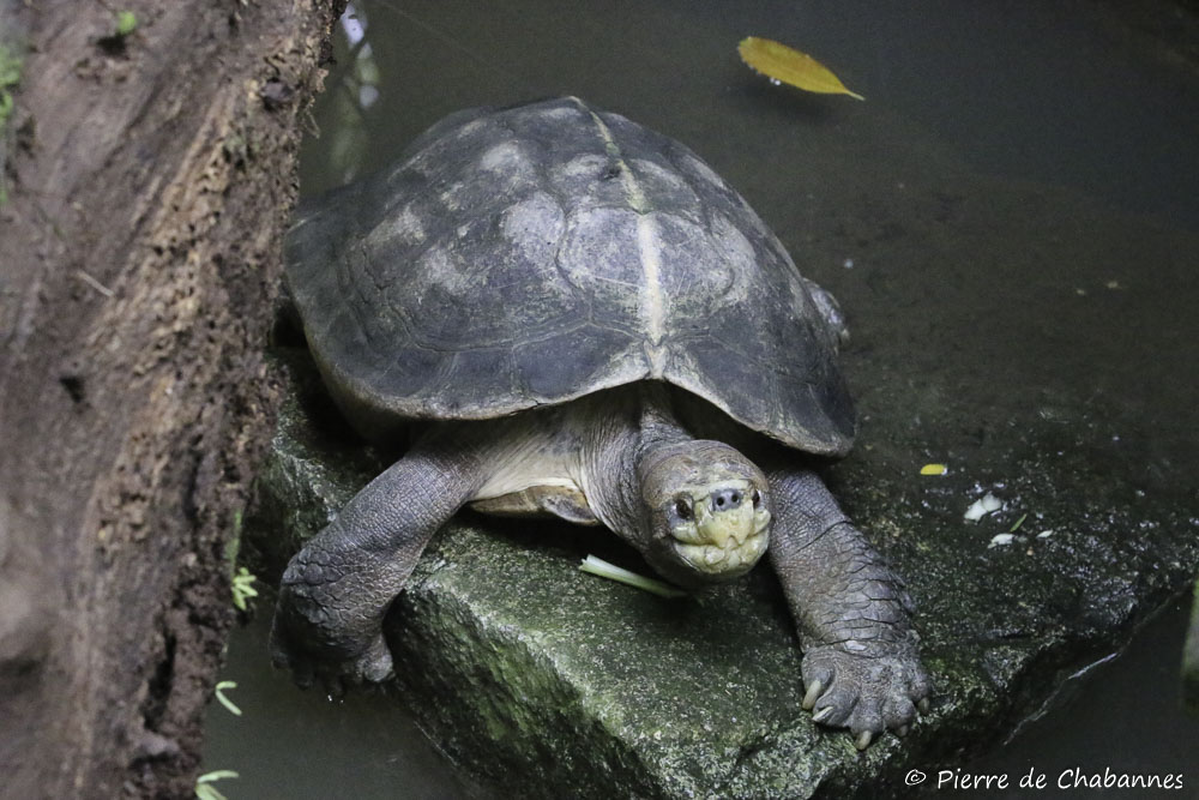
[(757, 498), (682, 507)]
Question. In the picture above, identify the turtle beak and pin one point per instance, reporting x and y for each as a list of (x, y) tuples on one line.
[(725, 517), (727, 533)]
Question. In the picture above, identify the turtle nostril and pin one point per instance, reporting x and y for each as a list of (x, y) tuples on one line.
[(726, 499)]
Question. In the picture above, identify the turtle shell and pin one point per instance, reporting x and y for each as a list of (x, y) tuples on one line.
[(528, 256)]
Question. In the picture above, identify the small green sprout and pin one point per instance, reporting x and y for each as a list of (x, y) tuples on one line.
[(233, 543), (597, 566), (10, 67), (225, 701), (10, 76), (243, 588), (204, 789), (1015, 527), (126, 24)]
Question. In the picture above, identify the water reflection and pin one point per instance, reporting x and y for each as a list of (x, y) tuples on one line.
[(293, 744), (352, 89)]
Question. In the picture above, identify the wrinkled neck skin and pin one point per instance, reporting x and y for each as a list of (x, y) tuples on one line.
[(621, 437)]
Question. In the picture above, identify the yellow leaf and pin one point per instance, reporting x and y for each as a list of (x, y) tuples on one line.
[(781, 63), (933, 469)]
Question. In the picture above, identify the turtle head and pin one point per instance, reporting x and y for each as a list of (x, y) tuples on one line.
[(709, 513)]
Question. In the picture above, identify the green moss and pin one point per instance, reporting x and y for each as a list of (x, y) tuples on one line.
[(10, 72), (533, 676), (10, 75)]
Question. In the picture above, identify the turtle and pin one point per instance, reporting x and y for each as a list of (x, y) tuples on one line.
[(565, 313)]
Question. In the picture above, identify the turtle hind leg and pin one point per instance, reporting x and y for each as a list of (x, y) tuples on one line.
[(861, 662)]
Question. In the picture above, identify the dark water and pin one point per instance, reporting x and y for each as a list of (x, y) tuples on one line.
[(1123, 714), (1059, 95)]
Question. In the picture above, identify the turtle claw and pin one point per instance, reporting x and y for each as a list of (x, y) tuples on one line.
[(868, 694), (302, 673), (815, 688), (335, 690), (924, 706), (330, 667), (902, 731)]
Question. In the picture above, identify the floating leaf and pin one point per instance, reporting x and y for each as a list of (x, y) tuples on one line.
[(988, 504), (781, 63)]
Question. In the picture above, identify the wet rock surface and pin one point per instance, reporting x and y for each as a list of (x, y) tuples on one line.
[(537, 677)]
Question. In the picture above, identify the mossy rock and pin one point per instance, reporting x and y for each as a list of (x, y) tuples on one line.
[(542, 680)]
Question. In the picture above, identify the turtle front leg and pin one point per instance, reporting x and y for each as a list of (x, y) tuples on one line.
[(337, 589), (861, 661)]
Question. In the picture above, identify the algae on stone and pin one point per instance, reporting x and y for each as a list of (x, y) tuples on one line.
[(536, 677), (11, 62), (971, 347)]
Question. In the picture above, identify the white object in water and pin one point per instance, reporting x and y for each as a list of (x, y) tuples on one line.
[(986, 504)]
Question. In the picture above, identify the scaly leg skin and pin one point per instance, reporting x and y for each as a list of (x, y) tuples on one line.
[(337, 589), (861, 662)]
